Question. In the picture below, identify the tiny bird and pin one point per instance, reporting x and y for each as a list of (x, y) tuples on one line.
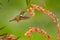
[(23, 15)]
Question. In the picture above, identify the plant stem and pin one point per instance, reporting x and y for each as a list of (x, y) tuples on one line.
[(28, 3)]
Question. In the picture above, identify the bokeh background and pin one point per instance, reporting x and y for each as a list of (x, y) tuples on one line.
[(11, 8)]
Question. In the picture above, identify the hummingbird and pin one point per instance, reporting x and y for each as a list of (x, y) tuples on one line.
[(22, 16)]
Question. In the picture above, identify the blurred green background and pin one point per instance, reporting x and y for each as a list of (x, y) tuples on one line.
[(11, 8)]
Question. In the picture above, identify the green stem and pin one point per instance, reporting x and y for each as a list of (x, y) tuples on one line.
[(28, 3)]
